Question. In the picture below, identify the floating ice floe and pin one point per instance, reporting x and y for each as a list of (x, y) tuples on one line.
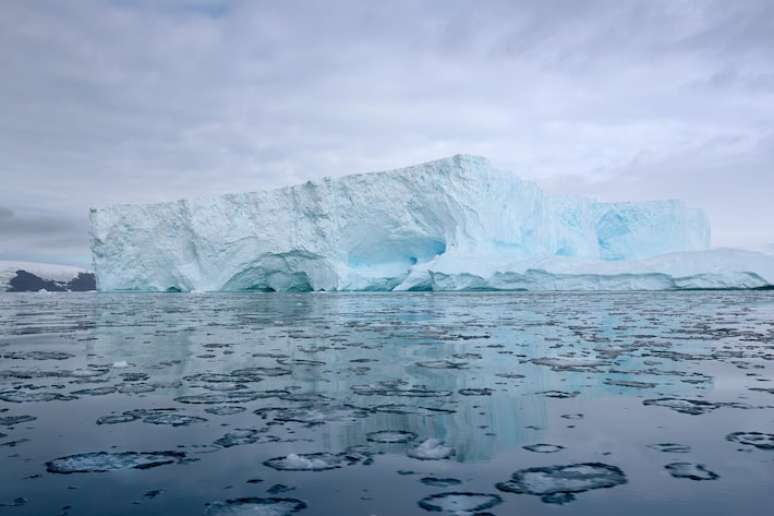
[(543, 448), (157, 416), (431, 449), (98, 462), (21, 396), (476, 391), (689, 406), (560, 364), (392, 389), (670, 447), (391, 436), (560, 484), (228, 410), (460, 503), (312, 461), (757, 439), (440, 482), (16, 420), (690, 471), (37, 355), (256, 507), (242, 436)]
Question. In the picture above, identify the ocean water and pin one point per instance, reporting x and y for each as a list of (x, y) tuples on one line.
[(634, 403)]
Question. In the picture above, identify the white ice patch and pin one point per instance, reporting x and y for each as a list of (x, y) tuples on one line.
[(431, 449)]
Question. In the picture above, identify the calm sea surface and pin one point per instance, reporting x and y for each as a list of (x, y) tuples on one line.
[(387, 404)]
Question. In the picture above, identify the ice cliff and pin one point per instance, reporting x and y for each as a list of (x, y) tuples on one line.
[(452, 224)]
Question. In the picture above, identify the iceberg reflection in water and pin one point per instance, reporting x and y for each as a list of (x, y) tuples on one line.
[(508, 403)]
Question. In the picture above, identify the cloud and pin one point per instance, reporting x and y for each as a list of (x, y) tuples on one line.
[(122, 101)]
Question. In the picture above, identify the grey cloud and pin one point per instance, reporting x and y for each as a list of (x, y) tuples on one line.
[(122, 101)]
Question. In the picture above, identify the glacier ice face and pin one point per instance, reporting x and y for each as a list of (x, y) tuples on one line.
[(452, 224)]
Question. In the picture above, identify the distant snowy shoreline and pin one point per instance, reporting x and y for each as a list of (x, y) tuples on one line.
[(18, 276)]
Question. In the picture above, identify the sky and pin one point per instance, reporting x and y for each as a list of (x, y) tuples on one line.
[(107, 102)]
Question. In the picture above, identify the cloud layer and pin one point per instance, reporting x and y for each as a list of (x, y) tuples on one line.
[(134, 101)]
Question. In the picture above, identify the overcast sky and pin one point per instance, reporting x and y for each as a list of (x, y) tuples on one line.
[(134, 101)]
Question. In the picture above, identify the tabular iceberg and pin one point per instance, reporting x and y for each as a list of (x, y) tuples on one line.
[(452, 224)]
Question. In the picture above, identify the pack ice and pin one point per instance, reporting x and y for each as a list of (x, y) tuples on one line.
[(453, 224)]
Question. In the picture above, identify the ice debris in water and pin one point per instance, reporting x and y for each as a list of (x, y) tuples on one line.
[(242, 436), (757, 439), (391, 436), (28, 397), (691, 471), (256, 507), (670, 447), (561, 395), (221, 397), (158, 416), (312, 461), (460, 503), (559, 484), (172, 419), (684, 406), (398, 408), (440, 482), (228, 410), (319, 414), (560, 364), (15, 420), (109, 461), (471, 391), (37, 355), (442, 364), (95, 391), (543, 448), (630, 383), (431, 449), (398, 389)]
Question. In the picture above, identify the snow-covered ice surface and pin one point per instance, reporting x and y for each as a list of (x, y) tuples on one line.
[(407, 403), (452, 224)]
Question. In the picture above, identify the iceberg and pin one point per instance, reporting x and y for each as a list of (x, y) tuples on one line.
[(453, 224)]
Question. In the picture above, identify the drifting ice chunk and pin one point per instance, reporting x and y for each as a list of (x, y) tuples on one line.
[(431, 449)]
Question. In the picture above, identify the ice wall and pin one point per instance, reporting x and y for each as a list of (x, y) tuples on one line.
[(377, 231)]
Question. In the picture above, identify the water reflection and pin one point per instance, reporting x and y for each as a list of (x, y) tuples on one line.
[(234, 380)]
